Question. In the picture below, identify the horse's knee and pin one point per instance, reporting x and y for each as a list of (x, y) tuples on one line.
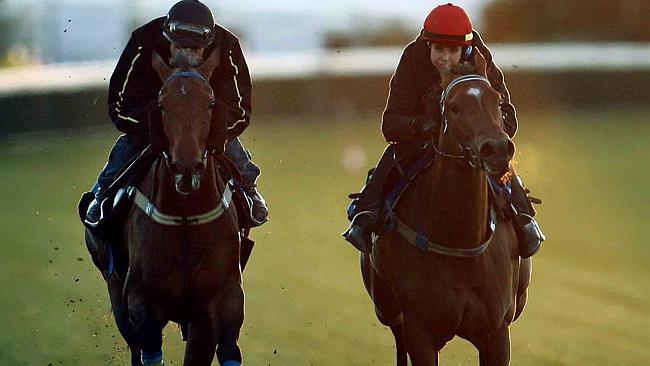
[(147, 324), (232, 308), (494, 347)]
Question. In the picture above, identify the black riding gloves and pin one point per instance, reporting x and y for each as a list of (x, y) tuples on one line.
[(423, 126)]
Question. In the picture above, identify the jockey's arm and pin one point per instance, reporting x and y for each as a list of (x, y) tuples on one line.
[(131, 91), (495, 76), (231, 83), (400, 116)]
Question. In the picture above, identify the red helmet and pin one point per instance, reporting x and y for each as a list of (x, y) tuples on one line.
[(448, 24)]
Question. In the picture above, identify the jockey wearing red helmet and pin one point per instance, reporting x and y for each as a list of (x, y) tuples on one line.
[(412, 114), (448, 24)]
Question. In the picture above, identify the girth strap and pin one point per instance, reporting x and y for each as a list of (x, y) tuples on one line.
[(150, 210)]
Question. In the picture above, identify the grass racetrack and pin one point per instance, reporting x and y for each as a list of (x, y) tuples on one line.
[(589, 301)]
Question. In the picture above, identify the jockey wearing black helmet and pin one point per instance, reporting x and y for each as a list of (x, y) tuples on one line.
[(134, 87), (412, 114), (189, 23)]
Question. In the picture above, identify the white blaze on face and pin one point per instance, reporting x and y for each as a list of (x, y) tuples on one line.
[(474, 92)]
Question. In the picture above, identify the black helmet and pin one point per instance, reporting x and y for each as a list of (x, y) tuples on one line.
[(189, 23)]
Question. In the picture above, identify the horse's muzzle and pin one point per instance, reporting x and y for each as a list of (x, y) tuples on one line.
[(187, 176), (495, 155)]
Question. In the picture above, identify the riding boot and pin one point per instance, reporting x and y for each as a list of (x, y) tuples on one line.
[(369, 202), (529, 233), (126, 148), (241, 157), (94, 212)]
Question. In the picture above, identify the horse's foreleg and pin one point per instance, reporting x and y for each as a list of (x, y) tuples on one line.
[(400, 348), (148, 322), (230, 320), (386, 307), (201, 343), (388, 311), (420, 346), (494, 348), (525, 272), (121, 314)]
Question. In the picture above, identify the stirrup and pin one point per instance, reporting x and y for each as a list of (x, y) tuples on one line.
[(255, 200), (360, 231)]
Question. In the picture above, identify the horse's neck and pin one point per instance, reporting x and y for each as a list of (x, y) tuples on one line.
[(451, 203), (169, 201)]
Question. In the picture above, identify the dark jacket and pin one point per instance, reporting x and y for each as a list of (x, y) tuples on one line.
[(415, 92), (134, 83)]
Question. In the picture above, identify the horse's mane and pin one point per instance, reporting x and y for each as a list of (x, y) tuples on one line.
[(186, 58)]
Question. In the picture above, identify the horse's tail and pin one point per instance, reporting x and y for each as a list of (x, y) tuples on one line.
[(400, 348)]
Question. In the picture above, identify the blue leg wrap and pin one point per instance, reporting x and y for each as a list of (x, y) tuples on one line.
[(152, 358), (231, 363), (111, 267)]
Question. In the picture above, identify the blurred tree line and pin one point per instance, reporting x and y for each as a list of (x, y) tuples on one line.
[(386, 32), (512, 21), (5, 31), (567, 21)]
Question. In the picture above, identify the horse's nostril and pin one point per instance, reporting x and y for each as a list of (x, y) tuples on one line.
[(486, 150)]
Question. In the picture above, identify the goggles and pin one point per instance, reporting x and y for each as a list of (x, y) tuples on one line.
[(186, 34)]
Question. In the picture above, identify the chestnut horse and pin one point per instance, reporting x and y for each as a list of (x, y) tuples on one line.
[(181, 237), (441, 268)]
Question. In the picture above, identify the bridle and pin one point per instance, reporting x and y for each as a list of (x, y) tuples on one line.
[(469, 154), (187, 74), (149, 208)]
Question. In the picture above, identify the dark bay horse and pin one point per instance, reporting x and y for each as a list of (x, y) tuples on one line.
[(181, 237), (442, 269)]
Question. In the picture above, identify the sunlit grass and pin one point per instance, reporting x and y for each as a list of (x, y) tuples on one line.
[(305, 303)]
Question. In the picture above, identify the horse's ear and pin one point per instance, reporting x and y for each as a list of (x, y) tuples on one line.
[(479, 62), (210, 64), (160, 66)]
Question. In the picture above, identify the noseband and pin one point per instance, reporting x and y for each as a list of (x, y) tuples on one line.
[(468, 154)]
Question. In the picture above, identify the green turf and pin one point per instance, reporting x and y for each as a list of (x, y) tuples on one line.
[(305, 303)]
